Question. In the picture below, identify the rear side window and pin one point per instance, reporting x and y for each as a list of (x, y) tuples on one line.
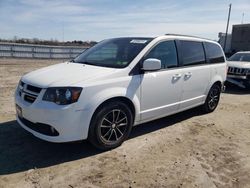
[(166, 52), (214, 53), (192, 53)]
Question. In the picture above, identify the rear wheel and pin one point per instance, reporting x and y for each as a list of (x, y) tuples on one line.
[(110, 125), (212, 99)]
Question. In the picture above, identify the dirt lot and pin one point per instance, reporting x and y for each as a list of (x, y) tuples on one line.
[(189, 149)]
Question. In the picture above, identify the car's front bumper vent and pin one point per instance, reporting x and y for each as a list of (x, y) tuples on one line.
[(40, 127)]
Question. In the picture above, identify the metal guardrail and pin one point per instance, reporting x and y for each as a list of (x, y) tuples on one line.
[(16, 50)]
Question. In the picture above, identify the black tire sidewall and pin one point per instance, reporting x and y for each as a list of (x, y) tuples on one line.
[(94, 132), (206, 105)]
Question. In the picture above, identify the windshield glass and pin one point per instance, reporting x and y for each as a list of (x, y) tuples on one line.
[(240, 57), (115, 53)]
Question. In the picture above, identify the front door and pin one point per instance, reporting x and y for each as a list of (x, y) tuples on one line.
[(161, 90)]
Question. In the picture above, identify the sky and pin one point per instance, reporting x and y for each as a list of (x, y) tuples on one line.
[(100, 19)]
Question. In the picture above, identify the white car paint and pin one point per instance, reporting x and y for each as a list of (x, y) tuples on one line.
[(239, 64), (65, 74), (180, 89)]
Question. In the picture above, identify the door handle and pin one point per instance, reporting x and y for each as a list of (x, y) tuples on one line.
[(188, 74), (176, 76)]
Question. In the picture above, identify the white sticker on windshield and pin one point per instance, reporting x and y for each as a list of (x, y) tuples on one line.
[(138, 41)]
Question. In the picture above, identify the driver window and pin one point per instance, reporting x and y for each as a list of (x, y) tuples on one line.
[(166, 52)]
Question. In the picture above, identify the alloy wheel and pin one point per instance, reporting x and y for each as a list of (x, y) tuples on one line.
[(113, 125), (214, 97)]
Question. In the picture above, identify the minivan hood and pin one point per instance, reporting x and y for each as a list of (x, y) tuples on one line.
[(239, 64), (65, 74)]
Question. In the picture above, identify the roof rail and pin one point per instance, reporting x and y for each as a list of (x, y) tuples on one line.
[(181, 35)]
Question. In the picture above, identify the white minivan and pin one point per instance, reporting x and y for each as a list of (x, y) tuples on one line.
[(119, 83)]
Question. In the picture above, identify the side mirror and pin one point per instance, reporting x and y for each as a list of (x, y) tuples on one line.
[(151, 64)]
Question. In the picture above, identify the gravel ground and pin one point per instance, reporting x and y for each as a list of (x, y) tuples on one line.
[(189, 149)]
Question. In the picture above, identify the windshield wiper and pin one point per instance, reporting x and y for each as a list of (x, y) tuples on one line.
[(95, 64), (85, 62), (82, 62)]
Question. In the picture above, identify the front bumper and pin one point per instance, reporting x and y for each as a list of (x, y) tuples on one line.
[(240, 80), (68, 121), (242, 77)]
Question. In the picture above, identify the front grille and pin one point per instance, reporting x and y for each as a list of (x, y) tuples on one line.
[(33, 89), (28, 92), (40, 127), (237, 71)]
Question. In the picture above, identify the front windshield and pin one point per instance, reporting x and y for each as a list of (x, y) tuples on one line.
[(240, 57), (115, 53)]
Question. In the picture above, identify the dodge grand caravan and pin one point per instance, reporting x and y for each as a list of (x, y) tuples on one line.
[(119, 83)]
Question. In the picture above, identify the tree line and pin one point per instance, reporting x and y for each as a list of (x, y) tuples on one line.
[(53, 42)]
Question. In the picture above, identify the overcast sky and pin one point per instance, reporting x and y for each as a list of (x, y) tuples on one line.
[(100, 19)]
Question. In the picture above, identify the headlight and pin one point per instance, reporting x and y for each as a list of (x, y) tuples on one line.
[(62, 95)]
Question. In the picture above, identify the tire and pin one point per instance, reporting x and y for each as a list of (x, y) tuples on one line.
[(213, 98), (110, 125)]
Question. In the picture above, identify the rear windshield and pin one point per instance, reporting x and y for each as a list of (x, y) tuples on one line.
[(115, 53)]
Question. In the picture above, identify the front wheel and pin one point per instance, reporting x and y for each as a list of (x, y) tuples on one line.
[(111, 125), (212, 99)]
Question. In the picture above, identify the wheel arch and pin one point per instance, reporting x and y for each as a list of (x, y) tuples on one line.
[(124, 99), (215, 80), (217, 83)]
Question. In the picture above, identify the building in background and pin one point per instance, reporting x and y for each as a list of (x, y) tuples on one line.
[(239, 40)]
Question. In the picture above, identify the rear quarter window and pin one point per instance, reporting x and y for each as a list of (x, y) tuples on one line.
[(214, 53)]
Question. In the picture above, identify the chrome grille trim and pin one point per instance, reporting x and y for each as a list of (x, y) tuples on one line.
[(237, 71)]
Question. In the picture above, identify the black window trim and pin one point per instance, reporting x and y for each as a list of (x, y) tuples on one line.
[(205, 53), (137, 68)]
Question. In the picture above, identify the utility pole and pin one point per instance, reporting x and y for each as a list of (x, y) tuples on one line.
[(63, 31), (242, 20), (229, 12)]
